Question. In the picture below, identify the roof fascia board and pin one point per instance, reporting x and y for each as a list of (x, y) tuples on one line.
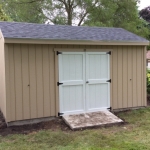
[(1, 36), (71, 42)]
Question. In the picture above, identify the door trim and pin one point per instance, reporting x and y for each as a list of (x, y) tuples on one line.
[(78, 50)]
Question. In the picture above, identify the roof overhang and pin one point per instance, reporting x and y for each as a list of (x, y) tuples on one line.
[(72, 42)]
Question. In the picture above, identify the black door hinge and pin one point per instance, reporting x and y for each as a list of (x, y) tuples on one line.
[(60, 114), (59, 53), (109, 53), (59, 83), (109, 81), (109, 108)]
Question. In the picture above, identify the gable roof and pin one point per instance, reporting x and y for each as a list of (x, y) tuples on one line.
[(16, 30)]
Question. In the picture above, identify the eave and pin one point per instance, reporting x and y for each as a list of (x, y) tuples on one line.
[(72, 42)]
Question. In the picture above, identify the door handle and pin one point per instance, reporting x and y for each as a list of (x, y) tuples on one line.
[(87, 81)]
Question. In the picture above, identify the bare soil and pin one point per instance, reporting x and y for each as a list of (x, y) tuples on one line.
[(54, 125)]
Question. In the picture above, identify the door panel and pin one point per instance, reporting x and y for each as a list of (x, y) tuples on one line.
[(72, 75), (72, 98), (97, 87), (84, 76), (98, 96)]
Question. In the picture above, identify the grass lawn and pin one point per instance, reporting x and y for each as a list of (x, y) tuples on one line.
[(132, 136)]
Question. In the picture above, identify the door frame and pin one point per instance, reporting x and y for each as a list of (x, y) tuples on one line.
[(78, 50)]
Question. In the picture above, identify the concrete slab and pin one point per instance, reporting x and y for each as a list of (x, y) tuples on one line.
[(91, 119)]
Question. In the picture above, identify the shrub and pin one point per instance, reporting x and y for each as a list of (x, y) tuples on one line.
[(148, 81)]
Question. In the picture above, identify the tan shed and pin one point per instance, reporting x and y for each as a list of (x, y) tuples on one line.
[(51, 70)]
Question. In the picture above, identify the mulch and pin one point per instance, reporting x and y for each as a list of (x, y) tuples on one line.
[(54, 125)]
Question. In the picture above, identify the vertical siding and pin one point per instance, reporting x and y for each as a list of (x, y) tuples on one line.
[(128, 77), (31, 84), (33, 72), (18, 81), (46, 81), (115, 78), (120, 77), (2, 77), (25, 82)]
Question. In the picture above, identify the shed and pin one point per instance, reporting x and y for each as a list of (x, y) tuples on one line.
[(51, 70)]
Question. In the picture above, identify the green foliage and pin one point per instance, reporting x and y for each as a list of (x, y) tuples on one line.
[(122, 13), (24, 10), (148, 81), (3, 16)]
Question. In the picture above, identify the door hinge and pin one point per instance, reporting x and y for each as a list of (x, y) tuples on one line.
[(109, 108), (59, 53), (60, 114), (109, 53), (109, 81), (59, 83)]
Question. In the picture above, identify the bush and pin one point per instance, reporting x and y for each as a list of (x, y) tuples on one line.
[(148, 81)]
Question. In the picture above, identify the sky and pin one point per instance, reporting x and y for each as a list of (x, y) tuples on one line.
[(143, 4)]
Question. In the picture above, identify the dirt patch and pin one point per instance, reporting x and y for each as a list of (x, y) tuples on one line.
[(57, 124), (54, 125)]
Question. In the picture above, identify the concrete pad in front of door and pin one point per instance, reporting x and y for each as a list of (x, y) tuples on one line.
[(91, 119)]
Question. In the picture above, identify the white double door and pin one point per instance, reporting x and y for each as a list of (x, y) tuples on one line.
[(84, 77)]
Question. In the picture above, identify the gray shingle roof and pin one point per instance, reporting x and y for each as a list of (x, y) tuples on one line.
[(63, 32)]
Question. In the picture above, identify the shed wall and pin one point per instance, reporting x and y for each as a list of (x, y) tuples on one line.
[(2, 77), (33, 72)]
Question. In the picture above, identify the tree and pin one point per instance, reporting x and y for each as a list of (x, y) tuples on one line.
[(122, 13), (112, 13), (70, 12), (3, 16), (145, 13), (24, 10)]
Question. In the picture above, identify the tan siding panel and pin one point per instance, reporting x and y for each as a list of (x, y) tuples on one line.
[(129, 80), (139, 72), (25, 81), (120, 79), (2, 78), (115, 78), (8, 102), (52, 82), (144, 77), (46, 80), (125, 77), (134, 77), (18, 82), (12, 83), (32, 78), (39, 80)]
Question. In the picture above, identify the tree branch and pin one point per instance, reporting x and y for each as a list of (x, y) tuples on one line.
[(29, 2), (82, 18)]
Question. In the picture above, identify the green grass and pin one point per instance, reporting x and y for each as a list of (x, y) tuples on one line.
[(133, 136)]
